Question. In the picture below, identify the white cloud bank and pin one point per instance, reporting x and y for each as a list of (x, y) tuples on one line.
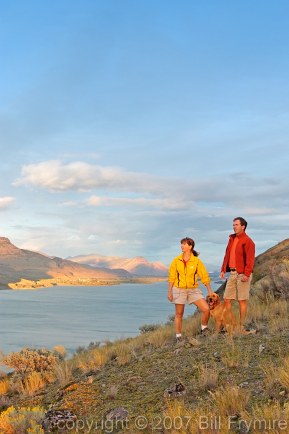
[(238, 190), (80, 176)]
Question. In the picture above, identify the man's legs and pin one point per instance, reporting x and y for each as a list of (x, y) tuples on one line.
[(243, 312)]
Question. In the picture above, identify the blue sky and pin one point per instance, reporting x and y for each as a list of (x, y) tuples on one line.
[(125, 126)]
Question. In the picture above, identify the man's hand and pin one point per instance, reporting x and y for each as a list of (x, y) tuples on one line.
[(222, 275), (244, 278)]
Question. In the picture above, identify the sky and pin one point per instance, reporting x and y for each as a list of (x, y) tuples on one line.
[(128, 125)]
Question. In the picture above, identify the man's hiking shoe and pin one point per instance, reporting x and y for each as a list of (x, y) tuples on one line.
[(179, 339), (205, 332), (248, 331)]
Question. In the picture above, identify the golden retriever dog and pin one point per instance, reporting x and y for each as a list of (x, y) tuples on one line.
[(223, 317)]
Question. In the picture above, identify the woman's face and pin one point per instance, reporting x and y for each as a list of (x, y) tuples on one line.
[(186, 247)]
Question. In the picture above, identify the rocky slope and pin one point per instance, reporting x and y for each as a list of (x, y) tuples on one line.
[(265, 262), (138, 266), (35, 269), (271, 272)]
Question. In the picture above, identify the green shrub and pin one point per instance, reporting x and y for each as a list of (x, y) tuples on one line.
[(32, 360)]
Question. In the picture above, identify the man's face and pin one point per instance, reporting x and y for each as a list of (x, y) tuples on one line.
[(238, 228)]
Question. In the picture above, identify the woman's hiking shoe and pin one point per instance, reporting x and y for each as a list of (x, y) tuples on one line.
[(205, 332)]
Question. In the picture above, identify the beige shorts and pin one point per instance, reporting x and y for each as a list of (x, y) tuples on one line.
[(235, 288), (186, 296)]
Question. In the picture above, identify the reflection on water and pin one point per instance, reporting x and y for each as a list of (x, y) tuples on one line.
[(75, 316)]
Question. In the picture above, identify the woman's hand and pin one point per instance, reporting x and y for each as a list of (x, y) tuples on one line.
[(210, 292), (170, 296)]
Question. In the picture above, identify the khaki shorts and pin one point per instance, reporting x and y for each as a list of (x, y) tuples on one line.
[(186, 296), (235, 288)]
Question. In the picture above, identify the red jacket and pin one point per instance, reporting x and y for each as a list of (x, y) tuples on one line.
[(245, 255)]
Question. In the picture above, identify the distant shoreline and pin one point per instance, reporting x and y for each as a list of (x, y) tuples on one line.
[(25, 284)]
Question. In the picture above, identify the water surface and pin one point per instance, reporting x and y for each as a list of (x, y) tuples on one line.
[(74, 316)]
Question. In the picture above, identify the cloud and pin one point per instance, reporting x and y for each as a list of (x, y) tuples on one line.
[(234, 188), (79, 176), (6, 201)]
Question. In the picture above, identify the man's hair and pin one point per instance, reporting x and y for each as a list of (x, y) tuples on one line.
[(242, 221)]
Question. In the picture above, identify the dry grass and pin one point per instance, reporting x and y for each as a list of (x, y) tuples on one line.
[(278, 324), (266, 418), (180, 419), (192, 325), (283, 373), (257, 312), (270, 375), (159, 337), (230, 400), (208, 377), (63, 372), (177, 418), (31, 384), (92, 360), (233, 355), (272, 311), (122, 352)]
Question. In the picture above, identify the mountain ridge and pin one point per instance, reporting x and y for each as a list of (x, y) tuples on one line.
[(21, 268), (137, 265)]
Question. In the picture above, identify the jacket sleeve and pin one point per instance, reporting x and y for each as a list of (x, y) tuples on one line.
[(203, 274), (250, 257), (173, 271)]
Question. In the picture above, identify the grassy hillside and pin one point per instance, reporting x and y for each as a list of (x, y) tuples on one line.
[(227, 379)]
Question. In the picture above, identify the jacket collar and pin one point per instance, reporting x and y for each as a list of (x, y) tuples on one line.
[(243, 235), (191, 257)]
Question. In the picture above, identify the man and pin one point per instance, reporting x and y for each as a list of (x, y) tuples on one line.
[(239, 261)]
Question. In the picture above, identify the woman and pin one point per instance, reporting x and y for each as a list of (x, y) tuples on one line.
[(183, 285)]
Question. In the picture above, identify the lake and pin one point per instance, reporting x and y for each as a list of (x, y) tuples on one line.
[(74, 316)]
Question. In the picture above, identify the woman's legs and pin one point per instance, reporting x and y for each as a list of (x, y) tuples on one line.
[(180, 308), (202, 305)]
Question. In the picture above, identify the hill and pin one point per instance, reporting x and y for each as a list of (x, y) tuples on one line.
[(20, 268), (138, 266)]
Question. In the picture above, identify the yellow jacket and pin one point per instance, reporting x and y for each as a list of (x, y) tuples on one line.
[(187, 277)]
